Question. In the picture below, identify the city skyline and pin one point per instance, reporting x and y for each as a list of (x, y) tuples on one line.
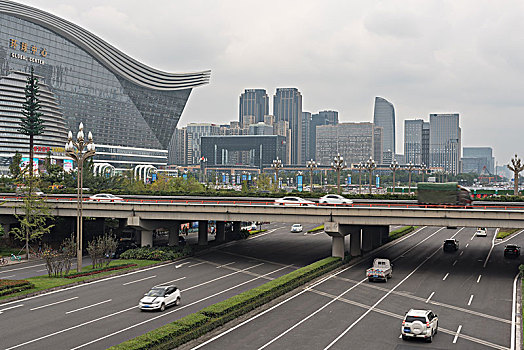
[(465, 63)]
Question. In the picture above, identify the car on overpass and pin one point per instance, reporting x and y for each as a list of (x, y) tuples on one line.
[(294, 201), (105, 197), (334, 199), (160, 297)]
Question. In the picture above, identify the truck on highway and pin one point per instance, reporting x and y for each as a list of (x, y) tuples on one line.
[(382, 269), (448, 193)]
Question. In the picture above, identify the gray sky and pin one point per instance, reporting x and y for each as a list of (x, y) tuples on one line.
[(423, 56)]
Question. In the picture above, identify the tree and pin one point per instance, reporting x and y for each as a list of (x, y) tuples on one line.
[(34, 223), (14, 167), (32, 123), (516, 166)]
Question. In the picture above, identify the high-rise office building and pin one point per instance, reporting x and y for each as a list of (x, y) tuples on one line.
[(445, 142), (253, 102), (321, 118), (305, 124), (378, 155), (195, 131), (413, 134), (474, 159), (425, 143), (287, 106), (354, 141), (384, 116), (260, 129)]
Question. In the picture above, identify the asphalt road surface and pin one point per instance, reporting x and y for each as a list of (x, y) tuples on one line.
[(104, 313), (471, 291)]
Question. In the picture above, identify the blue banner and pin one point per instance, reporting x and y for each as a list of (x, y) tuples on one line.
[(299, 183), (184, 176), (244, 177), (377, 181), (348, 181), (223, 178)]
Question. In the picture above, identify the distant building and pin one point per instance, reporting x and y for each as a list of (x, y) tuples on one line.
[(425, 143), (445, 142), (384, 116), (378, 154), (287, 106), (354, 141), (321, 118), (269, 119), (413, 130), (195, 131), (260, 129), (253, 102), (305, 124), (474, 159)]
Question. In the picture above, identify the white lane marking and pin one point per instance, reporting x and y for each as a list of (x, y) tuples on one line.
[(427, 300), (473, 236), (470, 300), (231, 263), (400, 336), (87, 307), (467, 245), (56, 302), (457, 334), (218, 278), (5, 277), (513, 313), (178, 279), (478, 279), (455, 262), (462, 252), (41, 270), (382, 299), (490, 250), (175, 310), (258, 235), (139, 280), (180, 265), (11, 307), (200, 263), (445, 276), (22, 268), (322, 280)]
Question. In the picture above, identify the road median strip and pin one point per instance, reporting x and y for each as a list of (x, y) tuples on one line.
[(197, 324)]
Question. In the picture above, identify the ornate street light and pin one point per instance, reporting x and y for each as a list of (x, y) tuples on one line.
[(79, 150), (359, 166), (338, 164), (311, 164), (424, 168), (203, 160), (394, 166), (370, 166), (516, 167), (410, 168), (277, 165)]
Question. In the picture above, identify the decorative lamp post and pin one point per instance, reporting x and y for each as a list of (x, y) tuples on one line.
[(311, 164), (338, 164), (359, 166), (370, 166), (410, 168), (203, 160), (424, 168), (516, 166), (394, 166), (79, 150), (277, 165)]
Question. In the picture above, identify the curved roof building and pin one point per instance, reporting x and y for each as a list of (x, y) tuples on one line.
[(384, 116), (128, 106)]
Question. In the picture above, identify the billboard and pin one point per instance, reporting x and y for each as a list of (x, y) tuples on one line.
[(68, 165), (299, 183), (25, 163)]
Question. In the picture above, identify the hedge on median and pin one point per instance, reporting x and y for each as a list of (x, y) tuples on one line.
[(195, 325), (400, 232), (99, 270), (157, 253), (14, 286)]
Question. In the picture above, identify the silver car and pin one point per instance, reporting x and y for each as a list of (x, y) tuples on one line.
[(294, 201), (334, 199), (160, 297)]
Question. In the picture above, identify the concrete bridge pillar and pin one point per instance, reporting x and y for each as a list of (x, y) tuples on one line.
[(338, 246), (367, 239), (236, 226), (220, 235), (354, 243), (174, 233), (202, 232), (146, 238)]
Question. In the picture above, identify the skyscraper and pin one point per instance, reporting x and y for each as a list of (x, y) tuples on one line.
[(287, 106), (445, 142), (413, 130), (321, 118), (253, 102), (384, 116), (474, 159), (305, 124)]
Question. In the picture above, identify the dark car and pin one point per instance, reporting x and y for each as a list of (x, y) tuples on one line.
[(511, 251), (451, 245)]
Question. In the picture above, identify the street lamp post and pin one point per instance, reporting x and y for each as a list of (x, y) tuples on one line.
[(394, 166), (276, 165), (424, 168), (202, 168), (370, 166), (360, 166), (79, 150), (338, 164), (311, 164), (410, 168)]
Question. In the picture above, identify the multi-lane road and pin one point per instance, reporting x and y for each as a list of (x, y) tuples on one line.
[(470, 290), (467, 290)]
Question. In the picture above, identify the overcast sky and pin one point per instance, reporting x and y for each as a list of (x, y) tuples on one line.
[(423, 56)]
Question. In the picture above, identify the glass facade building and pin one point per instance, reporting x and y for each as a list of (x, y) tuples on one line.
[(253, 102), (384, 116), (445, 142), (287, 106), (123, 102)]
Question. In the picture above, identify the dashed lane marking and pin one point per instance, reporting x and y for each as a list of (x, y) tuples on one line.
[(55, 303), (457, 334), (445, 276), (139, 280), (427, 300)]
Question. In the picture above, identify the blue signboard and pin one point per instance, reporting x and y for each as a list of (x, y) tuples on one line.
[(349, 179), (223, 178), (184, 176), (377, 181), (299, 183), (249, 177), (244, 177), (153, 177)]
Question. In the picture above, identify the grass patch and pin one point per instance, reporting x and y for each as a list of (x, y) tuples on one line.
[(506, 232), (401, 232), (197, 324), (44, 282), (316, 229), (254, 232)]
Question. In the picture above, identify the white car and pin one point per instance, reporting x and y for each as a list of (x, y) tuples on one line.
[(296, 228), (294, 201), (105, 197), (481, 232), (334, 199), (160, 297), (419, 324)]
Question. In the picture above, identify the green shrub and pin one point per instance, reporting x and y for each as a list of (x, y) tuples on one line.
[(400, 232), (14, 286), (506, 232), (157, 253)]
